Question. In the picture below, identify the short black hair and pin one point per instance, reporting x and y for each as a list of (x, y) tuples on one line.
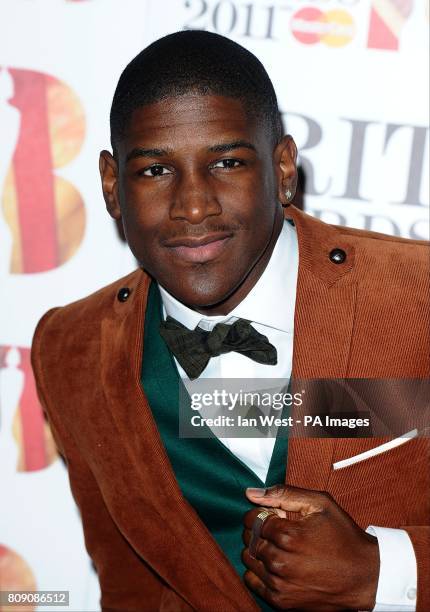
[(199, 61)]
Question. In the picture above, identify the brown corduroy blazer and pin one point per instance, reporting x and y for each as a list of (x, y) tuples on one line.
[(366, 317)]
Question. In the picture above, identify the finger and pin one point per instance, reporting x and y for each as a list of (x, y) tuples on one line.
[(257, 585), (251, 516), (257, 528), (290, 499), (276, 562), (280, 532), (254, 565), (271, 563), (284, 536), (272, 525)]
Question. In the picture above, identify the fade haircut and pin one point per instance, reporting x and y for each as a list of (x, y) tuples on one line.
[(195, 61)]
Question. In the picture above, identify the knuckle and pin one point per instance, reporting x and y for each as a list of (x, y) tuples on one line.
[(272, 582), (270, 526), (322, 502), (273, 598), (283, 540), (276, 491), (277, 566)]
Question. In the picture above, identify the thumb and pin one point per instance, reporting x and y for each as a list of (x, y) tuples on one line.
[(288, 498)]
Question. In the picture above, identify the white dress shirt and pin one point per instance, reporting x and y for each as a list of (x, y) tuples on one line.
[(270, 306)]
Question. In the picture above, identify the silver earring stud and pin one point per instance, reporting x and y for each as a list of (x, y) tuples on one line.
[(288, 194)]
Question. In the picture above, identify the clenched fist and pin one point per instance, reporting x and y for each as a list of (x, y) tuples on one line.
[(321, 561)]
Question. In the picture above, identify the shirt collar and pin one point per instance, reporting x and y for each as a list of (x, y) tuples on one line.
[(270, 302)]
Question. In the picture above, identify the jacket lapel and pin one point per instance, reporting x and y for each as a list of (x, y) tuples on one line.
[(323, 326), (164, 529)]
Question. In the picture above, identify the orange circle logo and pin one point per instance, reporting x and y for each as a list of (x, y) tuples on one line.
[(335, 28)]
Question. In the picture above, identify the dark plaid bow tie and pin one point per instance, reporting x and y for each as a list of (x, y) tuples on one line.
[(194, 348)]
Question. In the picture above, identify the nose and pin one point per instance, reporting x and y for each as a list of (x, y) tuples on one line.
[(194, 199)]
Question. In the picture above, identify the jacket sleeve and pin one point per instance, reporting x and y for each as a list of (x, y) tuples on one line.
[(126, 581), (420, 538)]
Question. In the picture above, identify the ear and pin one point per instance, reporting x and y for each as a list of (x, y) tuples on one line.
[(285, 157), (109, 175)]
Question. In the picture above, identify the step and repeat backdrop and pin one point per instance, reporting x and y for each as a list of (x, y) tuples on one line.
[(352, 82)]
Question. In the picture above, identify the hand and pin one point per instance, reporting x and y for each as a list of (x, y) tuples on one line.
[(320, 561)]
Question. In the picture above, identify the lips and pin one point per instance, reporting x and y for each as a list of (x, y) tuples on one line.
[(199, 249)]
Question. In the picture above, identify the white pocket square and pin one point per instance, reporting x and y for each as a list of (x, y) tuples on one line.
[(376, 451)]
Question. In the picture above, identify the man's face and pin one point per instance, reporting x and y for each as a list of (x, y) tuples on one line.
[(196, 183)]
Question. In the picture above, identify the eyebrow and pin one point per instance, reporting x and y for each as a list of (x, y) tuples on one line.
[(142, 152), (218, 148), (230, 146)]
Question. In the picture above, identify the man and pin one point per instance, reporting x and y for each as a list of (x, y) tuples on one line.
[(202, 178)]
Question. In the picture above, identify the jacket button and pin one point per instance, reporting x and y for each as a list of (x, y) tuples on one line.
[(123, 294), (337, 256)]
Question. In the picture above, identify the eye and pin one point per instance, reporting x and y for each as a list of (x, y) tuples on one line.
[(227, 163), (154, 170)]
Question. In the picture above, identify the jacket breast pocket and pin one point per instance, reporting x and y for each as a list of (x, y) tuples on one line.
[(393, 463), (371, 481), (375, 451)]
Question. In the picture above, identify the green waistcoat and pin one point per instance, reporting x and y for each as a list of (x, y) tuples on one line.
[(212, 479)]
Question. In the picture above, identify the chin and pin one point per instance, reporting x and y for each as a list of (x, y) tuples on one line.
[(200, 295)]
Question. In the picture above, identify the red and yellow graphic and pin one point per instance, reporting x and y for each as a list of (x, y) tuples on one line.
[(36, 448), (15, 575), (44, 212), (387, 18), (335, 28)]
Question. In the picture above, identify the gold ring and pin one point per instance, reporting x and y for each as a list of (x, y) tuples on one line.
[(257, 526)]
